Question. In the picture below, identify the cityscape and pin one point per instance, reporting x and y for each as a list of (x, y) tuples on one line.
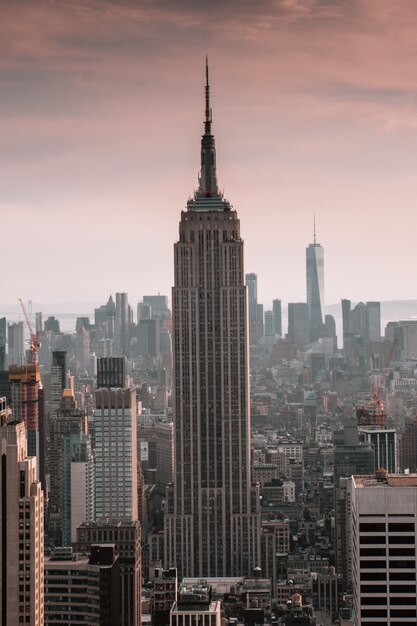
[(212, 452)]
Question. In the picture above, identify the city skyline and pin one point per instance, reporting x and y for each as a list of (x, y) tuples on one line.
[(99, 126)]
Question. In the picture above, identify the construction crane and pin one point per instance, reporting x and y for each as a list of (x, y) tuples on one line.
[(376, 391), (34, 337)]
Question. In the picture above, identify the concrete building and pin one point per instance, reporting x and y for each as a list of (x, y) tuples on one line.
[(82, 590), (111, 372), (121, 328), (15, 343), (126, 537), (212, 521), (382, 539), (164, 595), (277, 313), (115, 431), (24, 393), (195, 606), (22, 532), (384, 441), (298, 324)]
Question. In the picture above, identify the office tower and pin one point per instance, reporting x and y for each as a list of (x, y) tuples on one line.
[(298, 330), (373, 321), (111, 372), (408, 446), (149, 335), (16, 343), (358, 320), (121, 325), (164, 438), (212, 523), (277, 313), (384, 441), (68, 430), (328, 592), (24, 392), (82, 349), (351, 456), (21, 537), (382, 538), (3, 342), (195, 604), (38, 322), (104, 319), (126, 537), (315, 287), (158, 305), (269, 326), (275, 545), (59, 360), (144, 312), (116, 454), (253, 308), (52, 325), (81, 589), (346, 311)]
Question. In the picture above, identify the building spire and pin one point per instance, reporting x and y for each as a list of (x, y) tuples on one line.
[(207, 125), (208, 181), (314, 227)]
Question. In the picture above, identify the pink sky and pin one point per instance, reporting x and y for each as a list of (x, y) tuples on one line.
[(314, 110)]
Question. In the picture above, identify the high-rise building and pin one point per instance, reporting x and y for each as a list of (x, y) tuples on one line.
[(381, 532), (212, 522), (24, 393), (82, 589), (69, 441), (116, 454), (385, 445), (126, 537), (373, 321), (111, 372), (121, 329), (158, 305), (21, 536), (277, 313), (255, 310), (298, 333), (315, 287), (16, 343)]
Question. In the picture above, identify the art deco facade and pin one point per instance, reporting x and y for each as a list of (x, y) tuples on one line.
[(212, 520)]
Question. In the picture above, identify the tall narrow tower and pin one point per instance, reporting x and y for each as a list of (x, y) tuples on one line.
[(212, 518), (315, 287)]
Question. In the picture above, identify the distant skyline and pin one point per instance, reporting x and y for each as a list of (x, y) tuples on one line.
[(314, 111)]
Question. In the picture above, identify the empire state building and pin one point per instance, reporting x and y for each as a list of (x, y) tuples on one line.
[(212, 520)]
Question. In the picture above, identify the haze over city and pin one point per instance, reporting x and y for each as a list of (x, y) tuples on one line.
[(313, 110)]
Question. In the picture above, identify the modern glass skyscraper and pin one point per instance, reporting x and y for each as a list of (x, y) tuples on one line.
[(315, 287), (212, 523)]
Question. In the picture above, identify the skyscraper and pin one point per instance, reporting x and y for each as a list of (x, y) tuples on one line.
[(315, 287), (276, 310), (116, 454), (121, 330), (16, 343), (212, 524), (298, 324), (22, 533)]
